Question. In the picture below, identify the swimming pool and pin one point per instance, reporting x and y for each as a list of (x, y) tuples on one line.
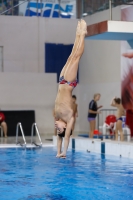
[(35, 174)]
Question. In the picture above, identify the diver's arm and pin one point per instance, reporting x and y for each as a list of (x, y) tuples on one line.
[(67, 136), (113, 103)]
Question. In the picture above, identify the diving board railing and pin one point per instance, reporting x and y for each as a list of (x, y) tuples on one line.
[(110, 9), (19, 126), (12, 7), (34, 127), (90, 7)]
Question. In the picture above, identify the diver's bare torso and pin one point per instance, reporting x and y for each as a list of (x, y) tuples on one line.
[(63, 103)]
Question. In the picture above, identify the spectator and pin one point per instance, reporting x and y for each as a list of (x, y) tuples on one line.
[(92, 113)]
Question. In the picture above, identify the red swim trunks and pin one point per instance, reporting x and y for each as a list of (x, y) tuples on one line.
[(63, 81)]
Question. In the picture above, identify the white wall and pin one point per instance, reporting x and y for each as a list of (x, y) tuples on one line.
[(24, 38), (20, 40), (26, 91)]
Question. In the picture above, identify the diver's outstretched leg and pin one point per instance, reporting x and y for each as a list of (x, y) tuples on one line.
[(78, 32), (72, 66)]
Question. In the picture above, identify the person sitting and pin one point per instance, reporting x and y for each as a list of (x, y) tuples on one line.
[(110, 123)]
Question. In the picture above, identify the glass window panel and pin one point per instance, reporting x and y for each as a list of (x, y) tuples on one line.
[(23, 8), (64, 9), (92, 6)]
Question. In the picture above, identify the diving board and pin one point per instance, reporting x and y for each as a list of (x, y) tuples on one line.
[(110, 30)]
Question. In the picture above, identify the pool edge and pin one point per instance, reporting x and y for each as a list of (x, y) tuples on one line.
[(107, 147)]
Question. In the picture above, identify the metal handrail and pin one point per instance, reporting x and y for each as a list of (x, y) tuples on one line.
[(37, 131), (19, 125), (110, 9), (108, 109), (101, 6)]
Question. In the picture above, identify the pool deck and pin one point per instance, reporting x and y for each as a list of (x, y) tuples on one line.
[(10, 142), (105, 146)]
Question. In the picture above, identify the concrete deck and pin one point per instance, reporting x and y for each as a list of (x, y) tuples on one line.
[(11, 141)]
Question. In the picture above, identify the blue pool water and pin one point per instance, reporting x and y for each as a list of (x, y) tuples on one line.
[(35, 174)]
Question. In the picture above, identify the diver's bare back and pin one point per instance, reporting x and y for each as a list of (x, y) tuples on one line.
[(63, 103)]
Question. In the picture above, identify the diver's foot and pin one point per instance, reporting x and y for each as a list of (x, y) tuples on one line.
[(78, 28), (83, 27)]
